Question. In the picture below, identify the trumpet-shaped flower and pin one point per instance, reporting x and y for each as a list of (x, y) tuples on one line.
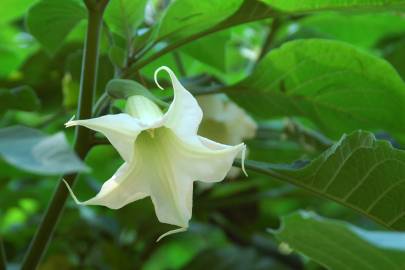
[(163, 155), (225, 122)]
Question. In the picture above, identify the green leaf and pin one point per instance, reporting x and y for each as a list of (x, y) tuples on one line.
[(339, 245), (248, 11), (13, 50), (186, 17), (203, 49), (333, 84), (359, 171), (13, 9), (31, 150), (118, 56), (395, 54), (358, 29), (292, 6), (9, 61), (50, 21), (20, 98), (124, 16)]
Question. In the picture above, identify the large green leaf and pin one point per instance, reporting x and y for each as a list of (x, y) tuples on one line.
[(124, 16), (322, 5), (341, 246), (359, 172), (13, 9), (50, 21), (211, 50), (358, 29), (186, 17), (333, 84), (31, 150), (20, 98)]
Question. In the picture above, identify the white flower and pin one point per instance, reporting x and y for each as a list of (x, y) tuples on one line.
[(225, 122), (163, 155)]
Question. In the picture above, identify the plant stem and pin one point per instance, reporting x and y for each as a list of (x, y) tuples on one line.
[(82, 138), (268, 43), (3, 260), (179, 63)]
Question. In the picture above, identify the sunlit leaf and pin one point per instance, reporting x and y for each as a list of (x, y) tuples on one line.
[(50, 21), (333, 84), (186, 17), (13, 9), (202, 49), (363, 30), (124, 16), (322, 5)]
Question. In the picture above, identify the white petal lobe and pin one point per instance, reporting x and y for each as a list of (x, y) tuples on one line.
[(120, 129), (184, 114)]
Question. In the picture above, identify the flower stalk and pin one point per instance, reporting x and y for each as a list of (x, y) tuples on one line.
[(83, 137)]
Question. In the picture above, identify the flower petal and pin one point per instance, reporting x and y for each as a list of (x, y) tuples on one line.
[(184, 114), (144, 109), (120, 129), (214, 160), (121, 189), (170, 190)]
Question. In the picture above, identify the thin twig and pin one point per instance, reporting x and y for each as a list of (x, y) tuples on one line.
[(179, 63), (268, 43)]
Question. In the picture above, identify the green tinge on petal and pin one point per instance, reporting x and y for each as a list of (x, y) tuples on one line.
[(144, 109), (169, 189)]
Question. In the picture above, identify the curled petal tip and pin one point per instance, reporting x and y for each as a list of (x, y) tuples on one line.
[(156, 74), (183, 229), (243, 160), (71, 193), (70, 122)]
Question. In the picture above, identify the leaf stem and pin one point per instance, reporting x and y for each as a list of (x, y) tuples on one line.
[(179, 63), (82, 138), (3, 260), (268, 43)]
